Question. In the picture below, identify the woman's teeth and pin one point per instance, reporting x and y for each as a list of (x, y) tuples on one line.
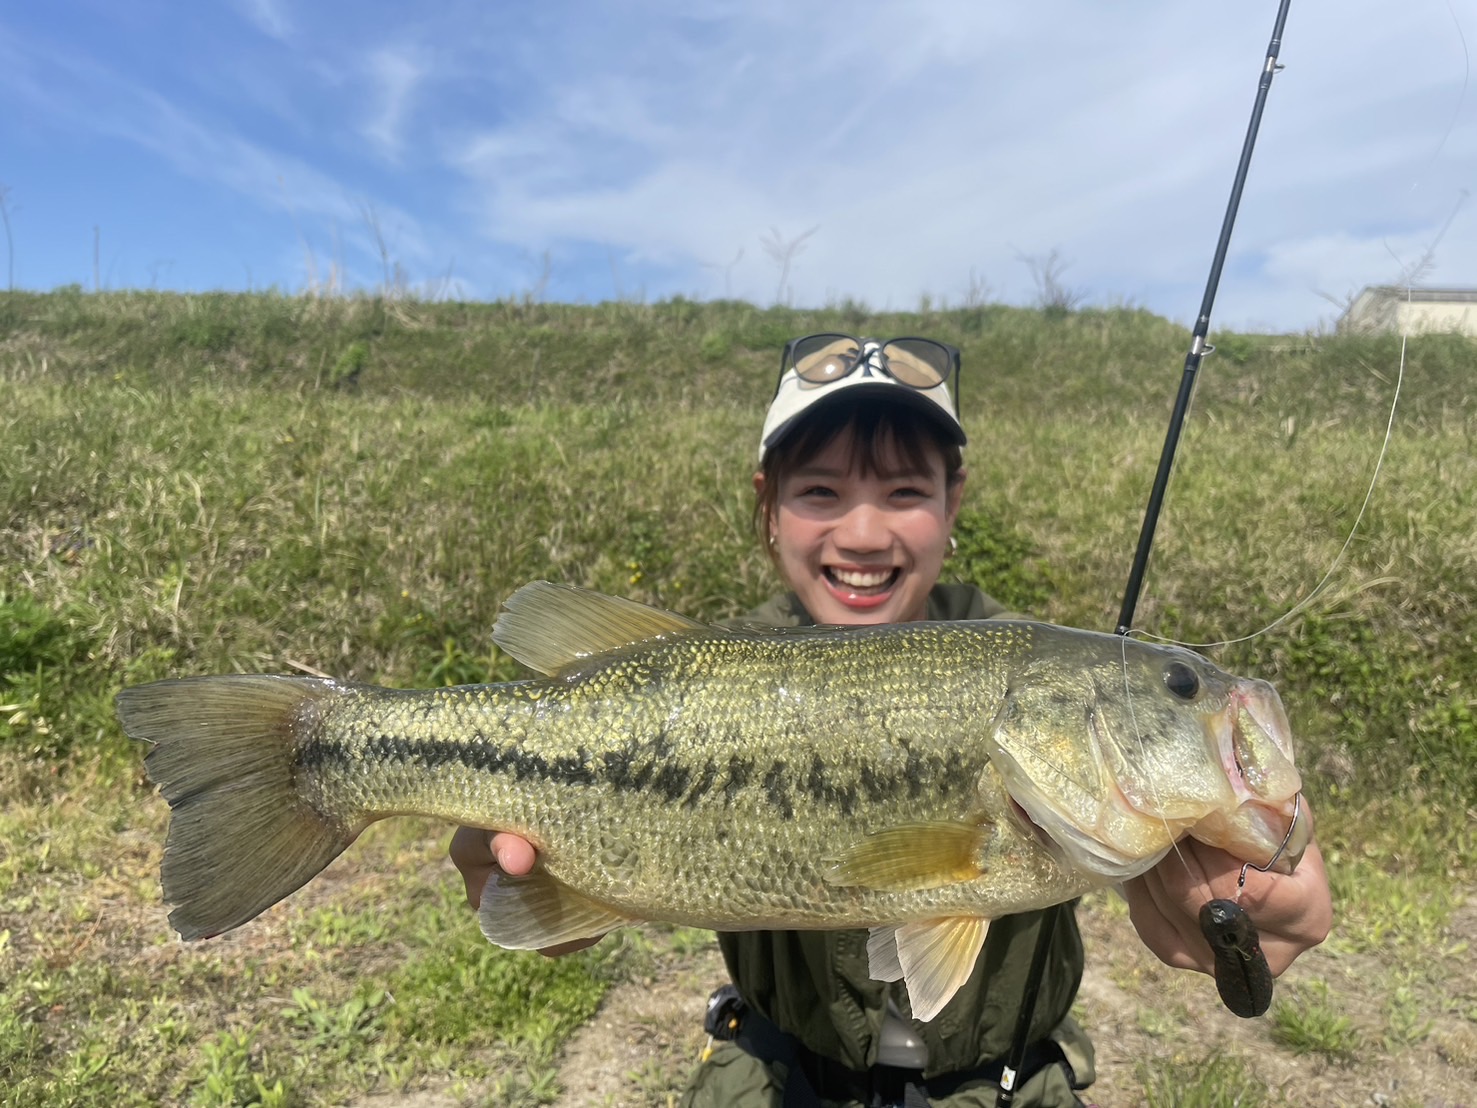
[(861, 578)]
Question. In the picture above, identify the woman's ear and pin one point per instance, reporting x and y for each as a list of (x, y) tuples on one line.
[(768, 515), (954, 496)]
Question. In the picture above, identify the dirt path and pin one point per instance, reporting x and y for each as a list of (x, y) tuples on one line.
[(1144, 1018)]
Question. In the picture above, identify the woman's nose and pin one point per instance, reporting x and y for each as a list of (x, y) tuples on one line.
[(863, 529)]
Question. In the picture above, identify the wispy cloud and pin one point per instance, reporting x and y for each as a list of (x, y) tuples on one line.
[(88, 96), (268, 16), (959, 139), (394, 75)]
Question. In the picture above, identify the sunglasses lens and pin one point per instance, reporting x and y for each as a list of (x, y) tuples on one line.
[(918, 362), (821, 359)]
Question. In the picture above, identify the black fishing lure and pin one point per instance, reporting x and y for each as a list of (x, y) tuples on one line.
[(1242, 975)]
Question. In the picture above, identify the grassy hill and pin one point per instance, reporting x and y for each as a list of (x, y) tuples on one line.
[(193, 484)]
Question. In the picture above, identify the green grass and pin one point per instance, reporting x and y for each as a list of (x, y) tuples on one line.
[(194, 484), (1218, 1081), (1310, 1022)]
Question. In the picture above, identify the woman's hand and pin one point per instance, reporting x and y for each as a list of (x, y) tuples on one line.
[(479, 854), (1292, 912)]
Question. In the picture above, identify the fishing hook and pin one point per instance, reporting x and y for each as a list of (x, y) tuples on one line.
[(1297, 807)]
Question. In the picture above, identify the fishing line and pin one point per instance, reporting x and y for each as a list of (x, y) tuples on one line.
[(1409, 275), (1199, 348), (1461, 99), (1197, 351), (1327, 578), (1222, 921)]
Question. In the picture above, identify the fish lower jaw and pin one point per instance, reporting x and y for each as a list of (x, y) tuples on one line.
[(1256, 832)]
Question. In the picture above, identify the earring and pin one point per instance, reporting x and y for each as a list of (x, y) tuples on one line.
[(953, 546)]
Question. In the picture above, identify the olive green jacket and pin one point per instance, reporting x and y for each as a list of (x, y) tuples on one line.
[(815, 985)]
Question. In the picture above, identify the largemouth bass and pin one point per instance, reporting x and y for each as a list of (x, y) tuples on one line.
[(918, 779)]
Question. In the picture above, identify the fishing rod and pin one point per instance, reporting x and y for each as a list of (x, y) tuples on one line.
[(1199, 347)]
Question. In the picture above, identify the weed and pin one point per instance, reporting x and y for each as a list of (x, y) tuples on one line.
[(1308, 1023), (689, 940), (331, 926), (336, 1032), (998, 559), (351, 363), (1219, 1081), (230, 1076)]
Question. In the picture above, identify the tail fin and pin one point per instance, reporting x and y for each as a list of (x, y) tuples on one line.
[(241, 836)]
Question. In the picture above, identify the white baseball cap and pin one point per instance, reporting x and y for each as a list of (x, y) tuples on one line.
[(818, 369)]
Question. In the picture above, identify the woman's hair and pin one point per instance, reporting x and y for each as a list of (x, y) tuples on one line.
[(877, 428)]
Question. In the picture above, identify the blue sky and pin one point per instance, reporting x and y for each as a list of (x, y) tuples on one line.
[(584, 152)]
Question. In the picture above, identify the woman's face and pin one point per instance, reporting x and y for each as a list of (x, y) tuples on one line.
[(863, 549)]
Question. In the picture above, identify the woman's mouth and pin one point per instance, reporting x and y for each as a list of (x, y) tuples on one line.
[(861, 587)]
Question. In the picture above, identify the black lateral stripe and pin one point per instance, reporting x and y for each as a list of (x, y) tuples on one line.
[(634, 767)]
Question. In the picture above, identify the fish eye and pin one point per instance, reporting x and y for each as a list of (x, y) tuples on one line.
[(1181, 680)]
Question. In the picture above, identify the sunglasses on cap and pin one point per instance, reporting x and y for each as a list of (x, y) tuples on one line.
[(915, 362)]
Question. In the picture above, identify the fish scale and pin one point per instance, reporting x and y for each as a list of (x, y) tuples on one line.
[(917, 776)]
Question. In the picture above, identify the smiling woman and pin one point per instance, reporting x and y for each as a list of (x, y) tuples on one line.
[(857, 508), (860, 481)]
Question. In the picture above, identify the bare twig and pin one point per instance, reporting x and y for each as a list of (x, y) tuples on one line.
[(783, 252), (727, 271), (1052, 295), (9, 242)]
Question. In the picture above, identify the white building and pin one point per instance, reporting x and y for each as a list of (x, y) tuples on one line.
[(1411, 311)]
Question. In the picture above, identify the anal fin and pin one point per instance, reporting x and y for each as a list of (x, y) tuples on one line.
[(536, 911)]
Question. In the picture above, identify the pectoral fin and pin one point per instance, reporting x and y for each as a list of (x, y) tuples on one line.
[(936, 958), (913, 856), (535, 911)]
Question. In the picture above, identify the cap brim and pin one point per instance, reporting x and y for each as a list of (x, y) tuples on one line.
[(792, 405)]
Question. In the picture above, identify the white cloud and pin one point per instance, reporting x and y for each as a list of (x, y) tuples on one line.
[(324, 214), (268, 17), (394, 76)]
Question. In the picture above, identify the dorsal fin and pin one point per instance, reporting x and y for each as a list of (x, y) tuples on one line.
[(551, 627)]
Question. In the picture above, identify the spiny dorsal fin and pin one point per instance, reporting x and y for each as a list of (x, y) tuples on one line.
[(551, 627)]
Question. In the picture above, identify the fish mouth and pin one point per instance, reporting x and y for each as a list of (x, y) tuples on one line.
[(1038, 832), (1267, 826), (1256, 749)]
